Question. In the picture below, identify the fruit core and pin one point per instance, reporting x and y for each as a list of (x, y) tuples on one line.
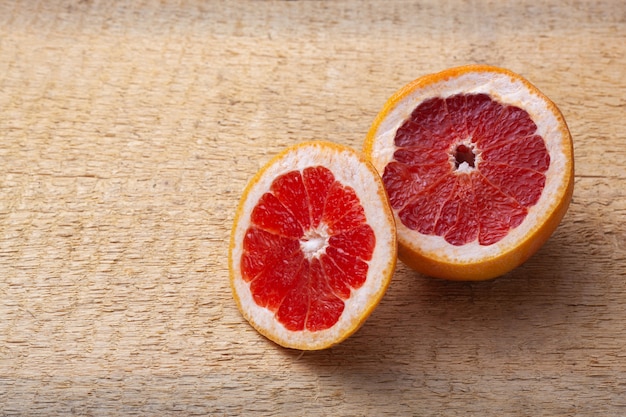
[(463, 154), (314, 242), (307, 248), (466, 168)]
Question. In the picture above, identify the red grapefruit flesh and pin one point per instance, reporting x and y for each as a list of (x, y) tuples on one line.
[(482, 163), (304, 289)]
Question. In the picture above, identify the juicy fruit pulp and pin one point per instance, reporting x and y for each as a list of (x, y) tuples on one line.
[(307, 248), (466, 168)]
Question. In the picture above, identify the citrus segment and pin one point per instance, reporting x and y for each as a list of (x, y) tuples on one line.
[(313, 246), (478, 165)]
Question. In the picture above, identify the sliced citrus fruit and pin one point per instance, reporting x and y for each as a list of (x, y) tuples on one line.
[(313, 246), (478, 165)]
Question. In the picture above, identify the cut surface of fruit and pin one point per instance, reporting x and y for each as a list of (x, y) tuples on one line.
[(478, 165), (313, 246)]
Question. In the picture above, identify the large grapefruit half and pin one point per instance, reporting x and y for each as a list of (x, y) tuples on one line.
[(479, 169)]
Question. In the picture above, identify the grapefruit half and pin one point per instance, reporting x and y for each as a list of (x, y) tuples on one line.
[(479, 168), (313, 246)]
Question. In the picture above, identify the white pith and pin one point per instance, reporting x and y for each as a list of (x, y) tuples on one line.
[(506, 90), (348, 170), (315, 241)]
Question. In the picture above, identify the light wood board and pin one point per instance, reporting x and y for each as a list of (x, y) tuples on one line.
[(128, 130)]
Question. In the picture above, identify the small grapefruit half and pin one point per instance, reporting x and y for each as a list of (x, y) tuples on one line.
[(479, 168), (313, 246)]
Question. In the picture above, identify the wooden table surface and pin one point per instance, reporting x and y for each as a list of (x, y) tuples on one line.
[(128, 131)]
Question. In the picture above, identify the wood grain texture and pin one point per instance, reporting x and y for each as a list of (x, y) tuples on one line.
[(128, 131)]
